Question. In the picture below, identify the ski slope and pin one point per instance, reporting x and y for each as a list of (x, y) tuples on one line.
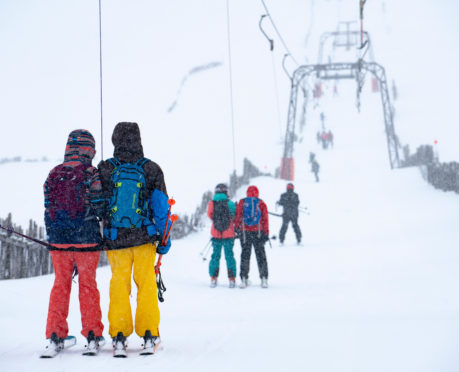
[(372, 288)]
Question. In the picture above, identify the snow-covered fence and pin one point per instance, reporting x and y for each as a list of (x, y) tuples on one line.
[(443, 176), (20, 258)]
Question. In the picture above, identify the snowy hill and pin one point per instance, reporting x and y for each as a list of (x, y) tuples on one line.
[(374, 286), (372, 289)]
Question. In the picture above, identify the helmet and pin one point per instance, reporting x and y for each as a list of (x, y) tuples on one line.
[(221, 187), (290, 186)]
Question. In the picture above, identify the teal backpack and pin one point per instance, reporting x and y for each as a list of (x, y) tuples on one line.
[(128, 204)]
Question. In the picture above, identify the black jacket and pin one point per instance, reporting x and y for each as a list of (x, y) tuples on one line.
[(289, 201), (128, 149)]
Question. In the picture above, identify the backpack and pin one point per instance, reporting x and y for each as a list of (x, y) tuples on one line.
[(251, 211), (221, 215), (128, 204), (67, 196)]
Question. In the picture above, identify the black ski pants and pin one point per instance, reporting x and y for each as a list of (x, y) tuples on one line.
[(285, 221), (251, 238)]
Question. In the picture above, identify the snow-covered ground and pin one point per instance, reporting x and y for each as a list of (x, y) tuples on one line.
[(374, 286), (372, 289)]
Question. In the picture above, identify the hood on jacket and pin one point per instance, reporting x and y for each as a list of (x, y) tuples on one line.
[(252, 191), (219, 196), (81, 146), (127, 142)]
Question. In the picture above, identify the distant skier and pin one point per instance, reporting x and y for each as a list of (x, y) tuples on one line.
[(330, 137), (252, 226), (138, 208), (312, 156), (73, 208), (289, 201), (315, 169), (222, 211)]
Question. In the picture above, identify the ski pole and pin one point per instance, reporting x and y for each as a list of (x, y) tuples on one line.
[(10, 230), (208, 250), (50, 247), (205, 248), (171, 202), (159, 280), (174, 218)]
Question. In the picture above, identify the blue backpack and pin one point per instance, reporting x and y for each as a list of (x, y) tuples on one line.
[(251, 211), (128, 204)]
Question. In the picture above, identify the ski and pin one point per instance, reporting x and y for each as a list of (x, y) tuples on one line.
[(57, 345)]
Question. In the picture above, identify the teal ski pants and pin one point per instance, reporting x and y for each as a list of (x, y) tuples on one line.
[(214, 264)]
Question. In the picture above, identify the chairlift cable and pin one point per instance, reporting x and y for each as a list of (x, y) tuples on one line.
[(230, 80), (100, 77)]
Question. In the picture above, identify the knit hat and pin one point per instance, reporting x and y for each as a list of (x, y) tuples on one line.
[(80, 146)]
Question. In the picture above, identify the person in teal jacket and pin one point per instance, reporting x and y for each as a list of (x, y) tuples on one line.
[(222, 211)]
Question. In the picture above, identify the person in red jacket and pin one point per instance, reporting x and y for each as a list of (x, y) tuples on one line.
[(252, 226)]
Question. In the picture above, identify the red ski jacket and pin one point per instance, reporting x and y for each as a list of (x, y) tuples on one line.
[(263, 225)]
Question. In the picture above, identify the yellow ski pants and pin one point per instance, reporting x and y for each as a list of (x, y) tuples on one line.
[(142, 258)]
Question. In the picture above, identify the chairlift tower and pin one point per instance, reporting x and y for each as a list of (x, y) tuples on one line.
[(338, 71)]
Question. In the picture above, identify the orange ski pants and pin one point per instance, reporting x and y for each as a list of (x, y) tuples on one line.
[(122, 261), (91, 315)]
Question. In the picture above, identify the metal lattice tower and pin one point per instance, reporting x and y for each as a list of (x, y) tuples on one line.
[(337, 71)]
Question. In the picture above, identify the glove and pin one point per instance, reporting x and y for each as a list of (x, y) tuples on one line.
[(238, 233), (264, 237), (163, 249)]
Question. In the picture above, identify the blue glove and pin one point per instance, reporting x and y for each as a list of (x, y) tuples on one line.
[(163, 249)]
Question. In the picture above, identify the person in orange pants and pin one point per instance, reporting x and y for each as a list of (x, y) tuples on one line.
[(74, 206), (63, 263)]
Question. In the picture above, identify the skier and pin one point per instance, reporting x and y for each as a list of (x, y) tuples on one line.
[(222, 211), (132, 235), (315, 169), (73, 208), (289, 201), (252, 226), (330, 137)]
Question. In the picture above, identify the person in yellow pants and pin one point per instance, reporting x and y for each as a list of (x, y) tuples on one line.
[(142, 259), (137, 212)]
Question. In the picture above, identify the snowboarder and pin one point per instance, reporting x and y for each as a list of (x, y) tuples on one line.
[(315, 169), (73, 208), (222, 211), (252, 226), (289, 201), (132, 234)]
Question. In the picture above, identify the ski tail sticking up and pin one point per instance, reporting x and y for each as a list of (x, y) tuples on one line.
[(57, 344), (151, 344)]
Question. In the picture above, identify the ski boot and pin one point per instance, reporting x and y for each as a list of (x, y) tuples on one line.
[(244, 283), (213, 282), (150, 344), (232, 282), (264, 282), (56, 344), (119, 346), (94, 343)]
